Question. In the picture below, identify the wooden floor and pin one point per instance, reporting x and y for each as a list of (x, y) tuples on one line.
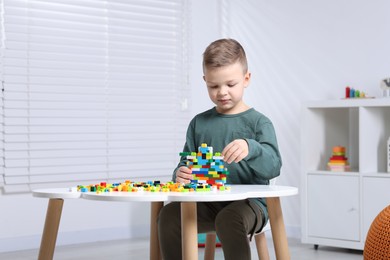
[(139, 249)]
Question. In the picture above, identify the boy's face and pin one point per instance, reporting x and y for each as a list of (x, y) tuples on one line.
[(226, 87)]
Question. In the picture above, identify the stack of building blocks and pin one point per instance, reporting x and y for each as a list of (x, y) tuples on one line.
[(338, 162), (207, 167)]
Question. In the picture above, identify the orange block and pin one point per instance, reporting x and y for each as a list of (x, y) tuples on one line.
[(339, 149)]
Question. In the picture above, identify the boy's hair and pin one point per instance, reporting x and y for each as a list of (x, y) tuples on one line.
[(224, 52)]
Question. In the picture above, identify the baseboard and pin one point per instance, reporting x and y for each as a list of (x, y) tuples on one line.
[(75, 237), (291, 231)]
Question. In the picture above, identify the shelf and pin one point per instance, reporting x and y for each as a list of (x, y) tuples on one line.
[(320, 172), (351, 102), (355, 197), (376, 174), (350, 173), (324, 128)]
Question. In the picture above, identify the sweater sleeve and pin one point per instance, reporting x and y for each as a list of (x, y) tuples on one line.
[(264, 158)]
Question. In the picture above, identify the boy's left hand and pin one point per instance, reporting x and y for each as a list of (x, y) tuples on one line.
[(235, 151)]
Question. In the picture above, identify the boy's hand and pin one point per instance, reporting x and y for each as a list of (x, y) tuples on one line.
[(235, 151), (184, 175)]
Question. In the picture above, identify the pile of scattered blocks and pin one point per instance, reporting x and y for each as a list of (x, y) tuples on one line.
[(149, 186)]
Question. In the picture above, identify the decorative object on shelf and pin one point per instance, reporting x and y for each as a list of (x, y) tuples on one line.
[(377, 245), (388, 155), (385, 86), (338, 162), (351, 93)]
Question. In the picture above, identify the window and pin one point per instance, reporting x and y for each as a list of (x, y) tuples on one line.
[(92, 90)]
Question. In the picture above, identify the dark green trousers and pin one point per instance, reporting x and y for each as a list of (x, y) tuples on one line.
[(232, 221)]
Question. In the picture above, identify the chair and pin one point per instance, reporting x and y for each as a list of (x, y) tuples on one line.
[(260, 241)]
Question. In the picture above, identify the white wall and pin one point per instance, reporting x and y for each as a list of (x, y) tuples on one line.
[(205, 28), (300, 50), (297, 50)]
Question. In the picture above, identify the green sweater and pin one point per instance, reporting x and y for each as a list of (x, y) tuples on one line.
[(218, 130)]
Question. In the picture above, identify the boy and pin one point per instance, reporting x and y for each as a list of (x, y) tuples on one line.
[(249, 146)]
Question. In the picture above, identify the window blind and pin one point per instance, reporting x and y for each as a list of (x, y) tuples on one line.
[(92, 89), (1, 97)]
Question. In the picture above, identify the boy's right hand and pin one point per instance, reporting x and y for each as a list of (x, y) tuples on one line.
[(184, 175)]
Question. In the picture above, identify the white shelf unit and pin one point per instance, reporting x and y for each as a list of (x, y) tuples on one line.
[(339, 207)]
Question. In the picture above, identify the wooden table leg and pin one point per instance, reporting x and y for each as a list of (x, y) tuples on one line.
[(50, 230), (189, 231), (278, 229), (155, 253)]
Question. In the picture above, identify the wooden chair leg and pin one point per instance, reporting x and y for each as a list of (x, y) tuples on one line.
[(261, 246), (209, 249)]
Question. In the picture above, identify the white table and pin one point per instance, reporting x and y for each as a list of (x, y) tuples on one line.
[(188, 213)]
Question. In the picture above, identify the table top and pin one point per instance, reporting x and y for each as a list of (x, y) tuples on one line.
[(56, 193), (237, 192)]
